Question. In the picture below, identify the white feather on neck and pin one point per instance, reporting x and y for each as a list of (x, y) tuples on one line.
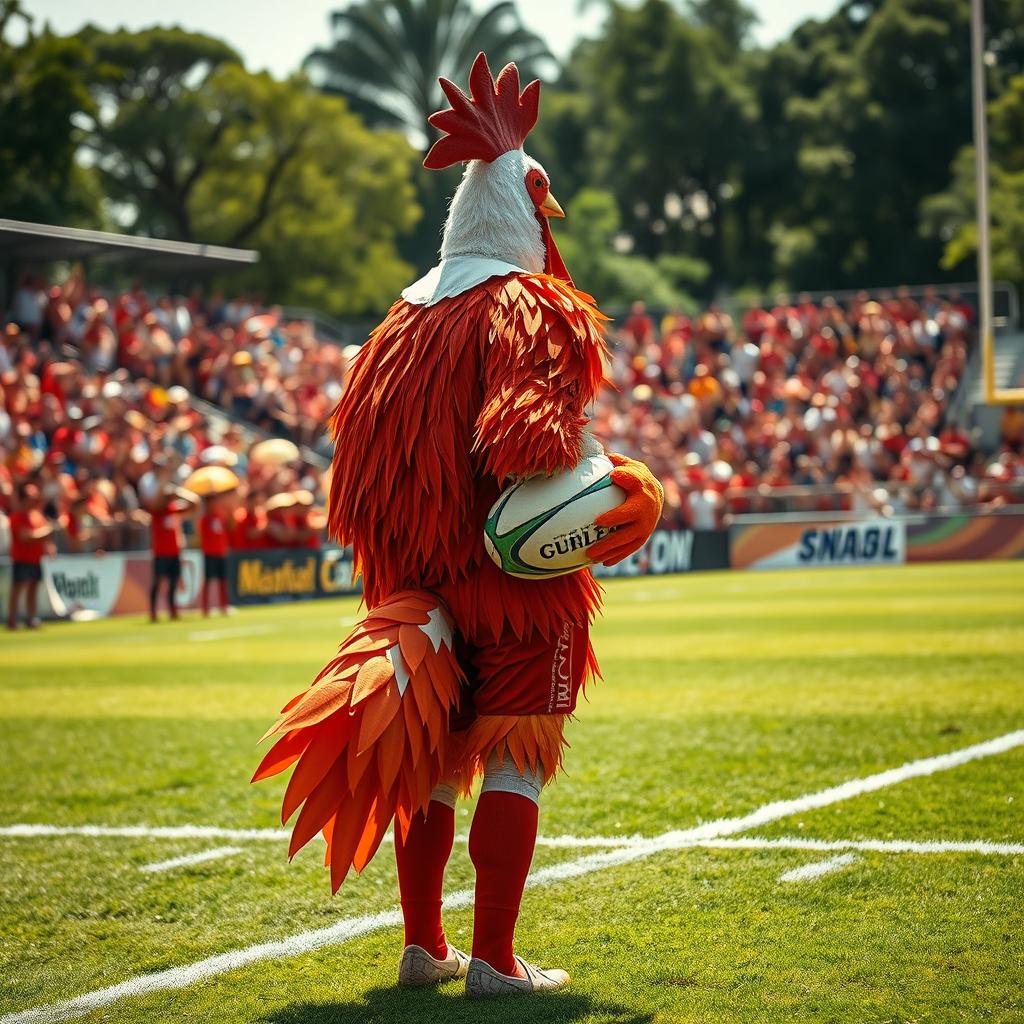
[(492, 215)]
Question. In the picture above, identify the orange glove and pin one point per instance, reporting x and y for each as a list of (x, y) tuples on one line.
[(635, 518)]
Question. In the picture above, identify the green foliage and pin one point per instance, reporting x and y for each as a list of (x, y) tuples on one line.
[(806, 161), (387, 55), (588, 245), (666, 116), (731, 20), (302, 180), (839, 156), (385, 59), (41, 90), (149, 131), (192, 146), (950, 215)]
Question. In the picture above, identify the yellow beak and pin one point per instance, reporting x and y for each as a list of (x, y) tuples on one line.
[(550, 207)]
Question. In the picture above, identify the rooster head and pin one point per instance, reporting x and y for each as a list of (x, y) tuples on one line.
[(503, 204)]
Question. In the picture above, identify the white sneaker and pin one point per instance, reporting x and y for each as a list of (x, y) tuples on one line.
[(482, 980), (417, 967)]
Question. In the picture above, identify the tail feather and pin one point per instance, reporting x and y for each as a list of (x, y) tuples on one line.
[(320, 702), (316, 761), (378, 715), (349, 826), (373, 676), (390, 752), (283, 754), (320, 807), (369, 738)]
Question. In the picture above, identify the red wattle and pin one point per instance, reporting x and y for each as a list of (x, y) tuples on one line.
[(553, 264)]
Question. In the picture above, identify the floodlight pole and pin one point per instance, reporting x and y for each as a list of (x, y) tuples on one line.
[(981, 197)]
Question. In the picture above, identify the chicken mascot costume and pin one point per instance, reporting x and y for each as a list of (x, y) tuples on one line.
[(479, 375)]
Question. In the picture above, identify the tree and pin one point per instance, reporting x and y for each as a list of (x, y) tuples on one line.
[(301, 179), (862, 114), (732, 20), (949, 216), (588, 245), (386, 55), (190, 145), (41, 91), (666, 117), (150, 134)]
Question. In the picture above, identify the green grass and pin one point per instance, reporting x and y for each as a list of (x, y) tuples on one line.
[(722, 692)]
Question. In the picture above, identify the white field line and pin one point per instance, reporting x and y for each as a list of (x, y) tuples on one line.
[(806, 872), (193, 858), (277, 835), (342, 931), (246, 834), (200, 635), (981, 846)]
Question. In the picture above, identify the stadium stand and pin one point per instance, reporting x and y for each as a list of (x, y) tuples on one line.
[(806, 406)]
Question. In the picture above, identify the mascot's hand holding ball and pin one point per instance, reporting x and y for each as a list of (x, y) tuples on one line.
[(474, 502)]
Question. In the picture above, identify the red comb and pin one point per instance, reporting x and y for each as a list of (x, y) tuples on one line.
[(495, 118)]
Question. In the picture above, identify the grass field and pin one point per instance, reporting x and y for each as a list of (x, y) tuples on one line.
[(723, 693)]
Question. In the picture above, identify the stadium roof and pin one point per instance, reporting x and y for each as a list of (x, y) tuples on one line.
[(23, 242)]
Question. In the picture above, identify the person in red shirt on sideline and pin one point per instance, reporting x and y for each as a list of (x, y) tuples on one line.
[(30, 535), (166, 540), (213, 536)]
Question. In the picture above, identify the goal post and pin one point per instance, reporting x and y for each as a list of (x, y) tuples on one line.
[(994, 395)]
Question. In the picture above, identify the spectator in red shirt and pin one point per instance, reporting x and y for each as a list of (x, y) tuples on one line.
[(639, 325), (280, 529), (213, 536), (166, 540), (30, 533), (248, 525)]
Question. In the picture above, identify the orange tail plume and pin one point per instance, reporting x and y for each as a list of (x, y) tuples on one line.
[(369, 738)]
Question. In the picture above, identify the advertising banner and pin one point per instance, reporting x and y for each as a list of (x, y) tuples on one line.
[(672, 551), (337, 568), (289, 574), (112, 583), (958, 538), (808, 545)]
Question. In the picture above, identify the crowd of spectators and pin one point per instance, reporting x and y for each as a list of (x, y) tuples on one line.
[(103, 429), (801, 406), (804, 405), (238, 353)]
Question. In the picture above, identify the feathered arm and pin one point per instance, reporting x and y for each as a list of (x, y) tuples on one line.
[(542, 368)]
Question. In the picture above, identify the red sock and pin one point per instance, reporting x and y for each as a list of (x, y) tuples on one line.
[(223, 595), (501, 844), (421, 862), (205, 597)]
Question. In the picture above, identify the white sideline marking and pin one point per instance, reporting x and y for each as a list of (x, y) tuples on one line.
[(193, 858), (141, 832), (277, 835), (981, 846), (222, 634), (820, 867), (571, 842), (303, 942), (246, 834)]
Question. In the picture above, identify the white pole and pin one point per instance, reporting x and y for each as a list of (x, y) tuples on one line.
[(981, 196)]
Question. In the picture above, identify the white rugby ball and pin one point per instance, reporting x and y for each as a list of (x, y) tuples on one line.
[(542, 526)]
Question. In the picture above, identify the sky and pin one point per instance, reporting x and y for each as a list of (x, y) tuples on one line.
[(277, 34)]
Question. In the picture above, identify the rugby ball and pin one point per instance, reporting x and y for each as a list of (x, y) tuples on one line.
[(542, 526)]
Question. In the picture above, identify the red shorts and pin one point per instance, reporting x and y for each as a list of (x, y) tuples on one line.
[(541, 676)]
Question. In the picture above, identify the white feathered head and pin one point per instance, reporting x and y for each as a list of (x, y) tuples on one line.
[(502, 205)]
